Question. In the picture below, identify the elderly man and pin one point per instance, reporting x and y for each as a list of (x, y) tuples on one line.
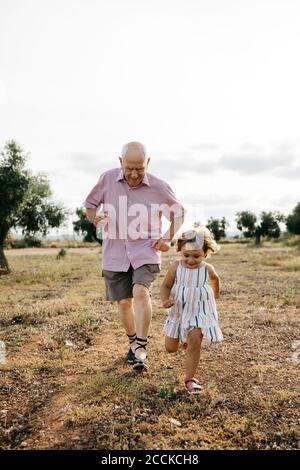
[(132, 246)]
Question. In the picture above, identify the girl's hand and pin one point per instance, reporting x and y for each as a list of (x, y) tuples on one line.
[(169, 302)]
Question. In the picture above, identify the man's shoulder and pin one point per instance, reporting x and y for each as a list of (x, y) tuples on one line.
[(112, 173), (154, 180)]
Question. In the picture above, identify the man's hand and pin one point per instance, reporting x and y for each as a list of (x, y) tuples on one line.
[(168, 303), (99, 217), (160, 245)]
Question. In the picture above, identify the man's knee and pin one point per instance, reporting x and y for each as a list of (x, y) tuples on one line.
[(140, 291)]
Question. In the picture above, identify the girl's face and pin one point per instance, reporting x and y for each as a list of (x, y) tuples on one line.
[(192, 258)]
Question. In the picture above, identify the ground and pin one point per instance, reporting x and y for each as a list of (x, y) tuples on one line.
[(65, 383)]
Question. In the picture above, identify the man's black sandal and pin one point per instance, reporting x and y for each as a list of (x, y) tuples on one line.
[(130, 358), (141, 364)]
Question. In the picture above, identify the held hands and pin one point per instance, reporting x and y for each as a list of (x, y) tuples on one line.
[(160, 245), (168, 303)]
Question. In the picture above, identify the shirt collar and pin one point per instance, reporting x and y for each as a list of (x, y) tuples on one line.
[(145, 180)]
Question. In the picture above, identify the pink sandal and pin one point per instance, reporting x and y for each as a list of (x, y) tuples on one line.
[(192, 386)]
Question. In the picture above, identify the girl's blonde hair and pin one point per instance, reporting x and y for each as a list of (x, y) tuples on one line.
[(209, 245)]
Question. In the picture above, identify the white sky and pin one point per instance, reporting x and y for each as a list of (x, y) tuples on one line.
[(211, 88)]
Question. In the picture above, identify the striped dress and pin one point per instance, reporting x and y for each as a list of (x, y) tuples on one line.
[(194, 306)]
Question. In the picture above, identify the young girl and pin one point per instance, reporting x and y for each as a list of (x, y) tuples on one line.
[(191, 300)]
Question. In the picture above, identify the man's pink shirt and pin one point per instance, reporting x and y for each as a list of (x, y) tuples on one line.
[(122, 251)]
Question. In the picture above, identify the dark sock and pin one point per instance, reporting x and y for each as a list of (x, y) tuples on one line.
[(132, 339)]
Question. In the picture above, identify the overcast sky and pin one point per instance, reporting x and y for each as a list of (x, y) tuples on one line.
[(210, 87)]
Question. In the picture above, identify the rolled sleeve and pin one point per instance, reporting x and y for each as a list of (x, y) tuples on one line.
[(95, 197)]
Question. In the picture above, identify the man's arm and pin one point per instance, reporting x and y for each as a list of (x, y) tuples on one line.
[(176, 223), (162, 244), (94, 200), (174, 211), (91, 214)]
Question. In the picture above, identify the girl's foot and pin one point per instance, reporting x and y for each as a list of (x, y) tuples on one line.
[(192, 386)]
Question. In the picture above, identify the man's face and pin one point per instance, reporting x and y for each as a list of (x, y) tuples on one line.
[(134, 166)]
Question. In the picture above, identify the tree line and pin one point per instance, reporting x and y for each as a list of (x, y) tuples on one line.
[(266, 225), (26, 204)]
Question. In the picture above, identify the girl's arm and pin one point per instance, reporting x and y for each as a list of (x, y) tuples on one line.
[(167, 285), (214, 280)]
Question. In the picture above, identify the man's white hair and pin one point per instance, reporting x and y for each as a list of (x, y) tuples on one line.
[(133, 144)]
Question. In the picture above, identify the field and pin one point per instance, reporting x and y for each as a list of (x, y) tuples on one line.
[(65, 383)]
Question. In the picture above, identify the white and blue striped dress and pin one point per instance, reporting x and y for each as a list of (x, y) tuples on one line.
[(194, 307)]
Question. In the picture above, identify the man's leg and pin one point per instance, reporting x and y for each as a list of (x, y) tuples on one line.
[(126, 312), (119, 288), (142, 279), (143, 309)]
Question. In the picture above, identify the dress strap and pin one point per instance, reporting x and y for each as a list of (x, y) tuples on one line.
[(205, 274)]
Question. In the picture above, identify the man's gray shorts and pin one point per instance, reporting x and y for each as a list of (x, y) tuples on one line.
[(119, 285)]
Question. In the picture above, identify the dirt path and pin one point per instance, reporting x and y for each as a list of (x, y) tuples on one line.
[(53, 423), (50, 424)]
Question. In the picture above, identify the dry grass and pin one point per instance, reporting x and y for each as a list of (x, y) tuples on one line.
[(66, 385)]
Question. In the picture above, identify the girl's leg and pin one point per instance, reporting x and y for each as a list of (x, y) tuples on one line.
[(193, 352), (171, 344)]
